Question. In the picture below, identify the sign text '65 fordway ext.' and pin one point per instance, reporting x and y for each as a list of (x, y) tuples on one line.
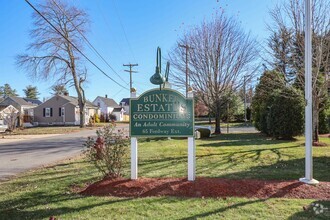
[(161, 113)]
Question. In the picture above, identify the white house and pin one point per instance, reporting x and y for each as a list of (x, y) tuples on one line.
[(109, 106), (125, 104), (118, 113)]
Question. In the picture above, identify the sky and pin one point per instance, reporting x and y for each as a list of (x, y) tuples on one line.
[(122, 31)]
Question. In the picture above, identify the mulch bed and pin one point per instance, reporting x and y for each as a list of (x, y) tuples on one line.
[(208, 187)]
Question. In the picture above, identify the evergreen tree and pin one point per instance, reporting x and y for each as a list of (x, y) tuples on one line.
[(6, 91), (59, 90), (278, 108), (31, 92)]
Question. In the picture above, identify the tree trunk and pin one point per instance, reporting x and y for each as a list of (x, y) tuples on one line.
[(82, 104), (217, 124)]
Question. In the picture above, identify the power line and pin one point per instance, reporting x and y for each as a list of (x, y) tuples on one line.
[(121, 50), (122, 26), (36, 10), (88, 42)]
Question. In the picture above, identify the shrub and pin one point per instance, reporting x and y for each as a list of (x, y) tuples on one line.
[(112, 117), (108, 151), (324, 121), (277, 108), (102, 117), (205, 133), (286, 114), (96, 118)]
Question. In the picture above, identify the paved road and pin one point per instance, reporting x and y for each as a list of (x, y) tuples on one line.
[(21, 155), (247, 129)]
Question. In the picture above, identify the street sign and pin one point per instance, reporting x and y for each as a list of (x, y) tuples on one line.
[(161, 113)]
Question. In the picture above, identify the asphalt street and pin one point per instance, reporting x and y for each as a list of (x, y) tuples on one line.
[(19, 156)]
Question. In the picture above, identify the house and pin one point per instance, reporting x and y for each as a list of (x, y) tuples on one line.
[(124, 103), (62, 110), (105, 104), (24, 106), (109, 107), (118, 113), (9, 116)]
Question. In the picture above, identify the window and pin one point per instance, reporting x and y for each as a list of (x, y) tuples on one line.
[(99, 104), (61, 111), (48, 112)]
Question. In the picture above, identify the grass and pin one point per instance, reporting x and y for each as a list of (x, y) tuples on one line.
[(47, 130), (224, 125), (45, 192)]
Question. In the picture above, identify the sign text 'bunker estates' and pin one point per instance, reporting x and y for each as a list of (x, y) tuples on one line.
[(161, 113)]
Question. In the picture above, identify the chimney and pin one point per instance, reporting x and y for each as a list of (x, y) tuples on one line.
[(106, 96)]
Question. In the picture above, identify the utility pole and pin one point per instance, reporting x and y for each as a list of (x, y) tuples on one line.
[(130, 74), (187, 47)]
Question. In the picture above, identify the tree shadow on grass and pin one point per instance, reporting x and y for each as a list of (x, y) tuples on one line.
[(319, 209), (26, 207), (281, 170), (240, 139), (217, 211)]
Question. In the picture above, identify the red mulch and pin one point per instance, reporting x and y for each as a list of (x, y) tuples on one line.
[(207, 187)]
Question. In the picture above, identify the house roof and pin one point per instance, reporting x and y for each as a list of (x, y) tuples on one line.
[(125, 100), (33, 101), (8, 109), (20, 101), (108, 102), (117, 109), (74, 101)]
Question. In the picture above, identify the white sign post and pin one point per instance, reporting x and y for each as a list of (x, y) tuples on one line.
[(138, 128), (134, 151)]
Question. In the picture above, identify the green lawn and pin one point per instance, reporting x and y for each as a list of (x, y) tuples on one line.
[(42, 193), (224, 125)]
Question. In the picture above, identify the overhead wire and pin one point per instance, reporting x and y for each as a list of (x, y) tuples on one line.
[(122, 26), (88, 42), (104, 73), (121, 51)]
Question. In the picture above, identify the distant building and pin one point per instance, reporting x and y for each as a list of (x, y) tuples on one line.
[(109, 106), (125, 104), (118, 113), (62, 110), (24, 106)]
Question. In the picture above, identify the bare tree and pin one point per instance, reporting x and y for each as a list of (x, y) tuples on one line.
[(52, 56), (223, 53), (288, 17)]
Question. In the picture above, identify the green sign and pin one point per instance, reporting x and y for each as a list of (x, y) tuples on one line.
[(161, 113)]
